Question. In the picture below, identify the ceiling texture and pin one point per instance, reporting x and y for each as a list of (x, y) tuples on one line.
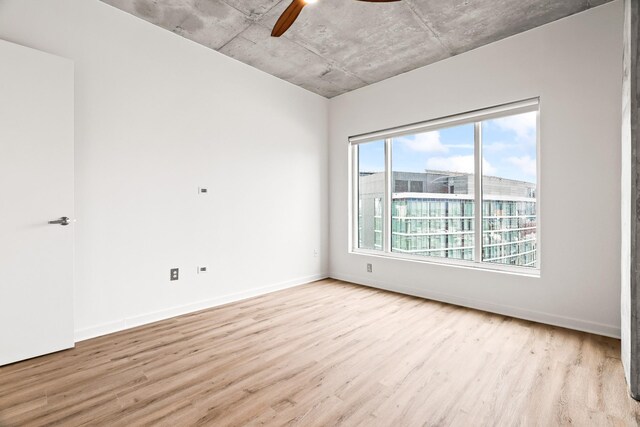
[(336, 46)]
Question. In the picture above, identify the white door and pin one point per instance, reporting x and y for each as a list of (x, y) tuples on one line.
[(36, 186)]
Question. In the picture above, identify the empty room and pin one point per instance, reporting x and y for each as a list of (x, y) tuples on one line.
[(319, 213)]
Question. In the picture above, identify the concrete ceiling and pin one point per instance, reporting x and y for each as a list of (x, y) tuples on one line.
[(336, 46)]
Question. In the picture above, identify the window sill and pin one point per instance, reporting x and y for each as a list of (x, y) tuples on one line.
[(533, 272)]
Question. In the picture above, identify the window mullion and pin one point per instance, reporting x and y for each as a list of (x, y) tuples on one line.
[(477, 134), (386, 241)]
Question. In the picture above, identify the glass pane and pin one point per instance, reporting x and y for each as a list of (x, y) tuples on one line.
[(509, 221), (370, 194), (432, 206)]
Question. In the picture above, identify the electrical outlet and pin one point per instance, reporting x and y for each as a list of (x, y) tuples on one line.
[(202, 190), (369, 268), (202, 270), (315, 253), (174, 274)]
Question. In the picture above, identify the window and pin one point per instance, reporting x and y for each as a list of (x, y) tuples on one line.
[(431, 223), (401, 185), (508, 190), (462, 189), (371, 178), (416, 186)]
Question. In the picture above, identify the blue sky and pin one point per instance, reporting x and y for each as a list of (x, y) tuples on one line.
[(509, 149)]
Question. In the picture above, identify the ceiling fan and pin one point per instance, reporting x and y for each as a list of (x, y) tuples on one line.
[(291, 13)]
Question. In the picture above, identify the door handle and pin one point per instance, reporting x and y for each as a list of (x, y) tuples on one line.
[(64, 220)]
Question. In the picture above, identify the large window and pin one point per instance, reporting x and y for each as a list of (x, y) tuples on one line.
[(461, 189), (432, 221)]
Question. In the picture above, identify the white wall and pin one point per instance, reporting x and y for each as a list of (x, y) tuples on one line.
[(575, 66), (156, 117)]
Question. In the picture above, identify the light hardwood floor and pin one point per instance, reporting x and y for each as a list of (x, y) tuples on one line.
[(324, 354)]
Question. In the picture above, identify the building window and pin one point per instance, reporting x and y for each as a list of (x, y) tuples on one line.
[(401, 185), (461, 189), (416, 186)]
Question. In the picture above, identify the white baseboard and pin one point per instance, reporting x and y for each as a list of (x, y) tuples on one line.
[(517, 312), (143, 319), (521, 313)]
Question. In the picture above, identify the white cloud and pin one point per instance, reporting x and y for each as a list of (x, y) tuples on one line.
[(467, 146), (425, 142), (497, 146), (487, 168), (458, 164), (525, 163), (524, 125)]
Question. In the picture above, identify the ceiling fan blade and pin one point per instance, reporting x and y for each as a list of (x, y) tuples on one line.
[(287, 18)]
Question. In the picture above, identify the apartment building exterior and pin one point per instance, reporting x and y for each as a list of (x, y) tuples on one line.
[(432, 215)]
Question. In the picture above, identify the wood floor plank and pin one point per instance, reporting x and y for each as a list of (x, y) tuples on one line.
[(326, 353)]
